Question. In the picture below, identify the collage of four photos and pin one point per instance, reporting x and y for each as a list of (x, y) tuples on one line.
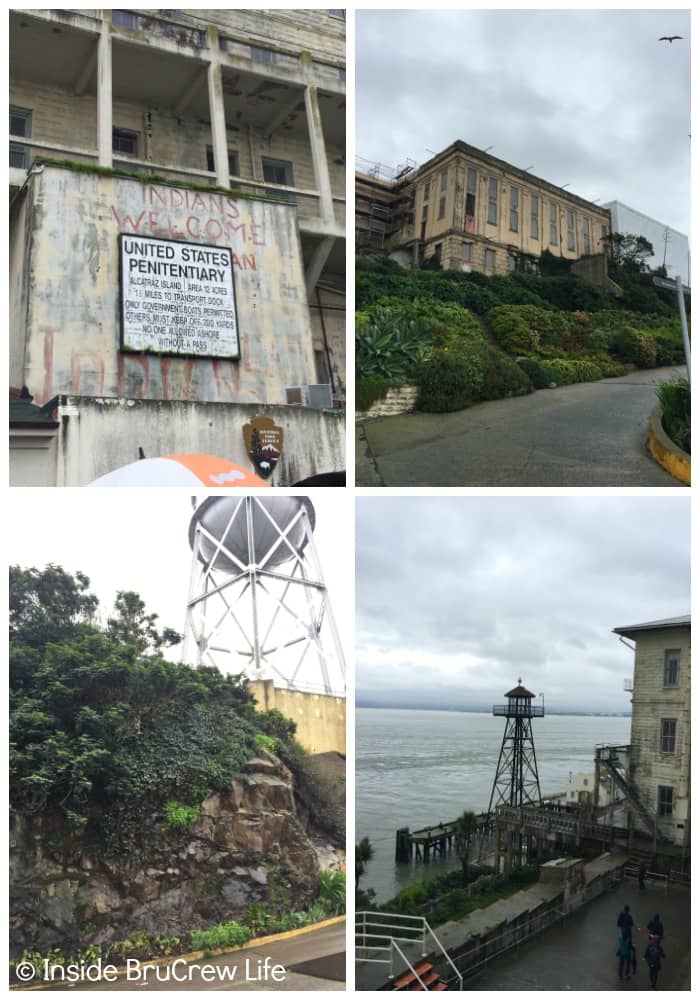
[(421, 596)]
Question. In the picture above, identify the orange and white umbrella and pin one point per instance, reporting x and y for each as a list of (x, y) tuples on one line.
[(181, 470)]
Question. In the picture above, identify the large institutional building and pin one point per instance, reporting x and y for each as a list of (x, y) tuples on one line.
[(468, 210), (177, 237)]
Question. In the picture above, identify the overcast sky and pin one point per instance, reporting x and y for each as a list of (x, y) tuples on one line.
[(458, 597), (136, 539), (587, 98)]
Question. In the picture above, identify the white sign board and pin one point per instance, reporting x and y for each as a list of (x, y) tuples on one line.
[(177, 298)]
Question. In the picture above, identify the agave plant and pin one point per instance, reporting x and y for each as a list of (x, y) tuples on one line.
[(388, 346)]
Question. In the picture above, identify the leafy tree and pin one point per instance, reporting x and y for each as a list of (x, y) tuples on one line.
[(630, 251), (102, 727), (364, 852), (131, 624), (464, 829)]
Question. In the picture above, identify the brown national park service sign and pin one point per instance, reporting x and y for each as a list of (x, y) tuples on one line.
[(263, 442)]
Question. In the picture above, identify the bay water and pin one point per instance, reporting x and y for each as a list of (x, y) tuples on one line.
[(415, 768)]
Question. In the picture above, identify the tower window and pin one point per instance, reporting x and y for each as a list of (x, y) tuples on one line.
[(672, 667), (665, 800), (668, 736)]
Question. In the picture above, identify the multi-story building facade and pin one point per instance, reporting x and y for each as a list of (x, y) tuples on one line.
[(142, 132), (472, 211), (658, 766)]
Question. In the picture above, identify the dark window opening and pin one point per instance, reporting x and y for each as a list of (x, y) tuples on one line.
[(233, 167), (125, 141), (279, 172)]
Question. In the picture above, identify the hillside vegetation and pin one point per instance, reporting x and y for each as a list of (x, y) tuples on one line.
[(463, 338)]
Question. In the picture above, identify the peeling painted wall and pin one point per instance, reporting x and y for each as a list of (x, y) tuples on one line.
[(99, 435), (653, 702), (71, 340)]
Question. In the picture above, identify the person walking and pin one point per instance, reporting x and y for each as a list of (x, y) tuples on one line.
[(642, 873), (652, 956), (624, 954), (625, 921), (655, 927)]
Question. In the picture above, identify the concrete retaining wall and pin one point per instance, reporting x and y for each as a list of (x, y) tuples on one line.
[(98, 435), (399, 400), (320, 718)]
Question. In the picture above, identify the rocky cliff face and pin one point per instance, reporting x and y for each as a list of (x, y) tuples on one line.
[(247, 846)]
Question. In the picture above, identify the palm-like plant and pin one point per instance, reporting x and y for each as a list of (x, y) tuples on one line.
[(464, 830), (364, 852)]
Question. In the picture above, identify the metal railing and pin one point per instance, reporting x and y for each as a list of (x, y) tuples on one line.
[(377, 936)]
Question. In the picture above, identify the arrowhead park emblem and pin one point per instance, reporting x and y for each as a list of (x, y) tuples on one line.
[(263, 443)]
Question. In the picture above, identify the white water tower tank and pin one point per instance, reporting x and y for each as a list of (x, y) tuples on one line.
[(226, 518)]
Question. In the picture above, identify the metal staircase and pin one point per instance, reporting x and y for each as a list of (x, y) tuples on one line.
[(611, 764)]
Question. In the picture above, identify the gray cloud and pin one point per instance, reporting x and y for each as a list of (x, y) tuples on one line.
[(590, 98), (457, 597)]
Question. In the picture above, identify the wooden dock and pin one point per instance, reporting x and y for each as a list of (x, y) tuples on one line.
[(435, 841)]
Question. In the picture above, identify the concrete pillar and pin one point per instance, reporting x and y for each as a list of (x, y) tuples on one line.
[(217, 116), (104, 95), (318, 153)]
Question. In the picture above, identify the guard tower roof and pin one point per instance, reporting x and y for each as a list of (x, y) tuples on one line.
[(519, 692)]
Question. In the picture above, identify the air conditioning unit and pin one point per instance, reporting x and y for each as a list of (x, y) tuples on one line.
[(320, 397), (297, 395), (467, 268)]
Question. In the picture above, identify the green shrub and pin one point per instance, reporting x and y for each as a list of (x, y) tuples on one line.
[(502, 377), (537, 372), (388, 345), (635, 346), (512, 331), (179, 816), (608, 367), (675, 409), (445, 383), (265, 742), (669, 348), (230, 935), (566, 371), (369, 391)]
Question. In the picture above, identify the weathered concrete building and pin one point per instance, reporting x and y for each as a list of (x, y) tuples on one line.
[(177, 237), (469, 210), (658, 762)]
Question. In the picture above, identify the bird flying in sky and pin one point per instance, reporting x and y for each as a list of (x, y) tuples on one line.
[(669, 38)]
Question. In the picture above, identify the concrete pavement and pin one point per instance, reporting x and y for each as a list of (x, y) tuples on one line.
[(309, 961), (589, 434), (579, 953)]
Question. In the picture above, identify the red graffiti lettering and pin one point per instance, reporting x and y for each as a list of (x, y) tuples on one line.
[(125, 222), (213, 229), (95, 367), (192, 227), (227, 379), (137, 378), (257, 238), (45, 393)]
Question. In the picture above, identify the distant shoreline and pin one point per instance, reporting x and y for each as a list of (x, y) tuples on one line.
[(487, 711)]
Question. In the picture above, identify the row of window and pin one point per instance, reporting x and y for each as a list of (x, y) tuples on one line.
[(125, 142), (555, 236)]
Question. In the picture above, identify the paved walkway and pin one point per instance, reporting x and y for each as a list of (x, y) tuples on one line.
[(590, 434), (312, 961), (579, 954)]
